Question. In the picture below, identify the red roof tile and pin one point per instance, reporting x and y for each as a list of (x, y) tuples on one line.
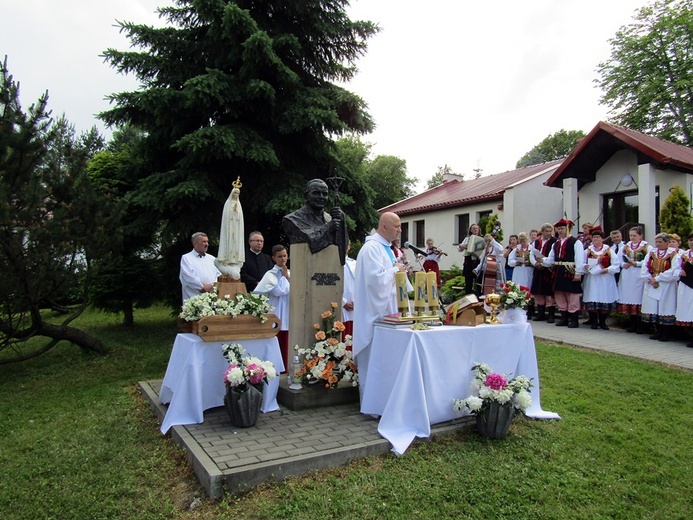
[(459, 193), (605, 139)]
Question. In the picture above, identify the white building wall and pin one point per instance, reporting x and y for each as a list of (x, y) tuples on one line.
[(608, 180), (524, 206), (440, 225), (531, 204)]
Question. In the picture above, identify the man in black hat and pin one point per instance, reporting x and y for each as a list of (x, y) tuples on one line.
[(568, 258)]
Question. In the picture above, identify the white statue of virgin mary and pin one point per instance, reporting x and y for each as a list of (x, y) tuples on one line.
[(231, 246)]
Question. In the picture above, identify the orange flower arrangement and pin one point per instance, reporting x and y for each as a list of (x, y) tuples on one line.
[(328, 360)]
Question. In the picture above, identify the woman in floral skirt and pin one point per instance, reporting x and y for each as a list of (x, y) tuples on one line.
[(684, 293), (600, 291), (659, 293), (630, 284), (522, 269)]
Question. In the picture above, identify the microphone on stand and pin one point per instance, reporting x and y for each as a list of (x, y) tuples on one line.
[(415, 249)]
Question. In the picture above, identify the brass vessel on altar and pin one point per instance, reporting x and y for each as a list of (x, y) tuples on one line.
[(493, 300)]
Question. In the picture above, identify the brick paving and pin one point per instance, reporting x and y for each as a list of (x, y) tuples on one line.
[(618, 341), (286, 443), (282, 443)]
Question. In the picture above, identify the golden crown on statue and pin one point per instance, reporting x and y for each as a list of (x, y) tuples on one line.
[(237, 183)]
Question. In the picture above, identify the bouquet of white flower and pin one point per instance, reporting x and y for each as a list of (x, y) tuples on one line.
[(492, 386), (209, 304), (244, 371)]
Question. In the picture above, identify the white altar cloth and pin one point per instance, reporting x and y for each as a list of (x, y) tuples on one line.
[(413, 376), (194, 377)]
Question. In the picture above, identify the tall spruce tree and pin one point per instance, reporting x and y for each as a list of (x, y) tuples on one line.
[(237, 88)]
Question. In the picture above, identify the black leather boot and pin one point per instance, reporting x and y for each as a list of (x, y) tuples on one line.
[(541, 313), (632, 323), (530, 312), (658, 332), (602, 321), (592, 321), (552, 315), (642, 327), (574, 322), (564, 319), (690, 338), (665, 332)]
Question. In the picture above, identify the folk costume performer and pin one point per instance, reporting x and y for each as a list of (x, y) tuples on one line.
[(568, 259)]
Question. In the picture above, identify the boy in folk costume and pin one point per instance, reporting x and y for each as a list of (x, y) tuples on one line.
[(542, 277), (568, 259), (630, 285), (659, 294), (684, 294), (599, 285)]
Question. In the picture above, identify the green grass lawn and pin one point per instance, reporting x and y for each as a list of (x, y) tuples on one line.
[(77, 441)]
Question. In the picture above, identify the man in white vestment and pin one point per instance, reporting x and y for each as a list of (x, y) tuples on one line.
[(197, 270), (374, 289)]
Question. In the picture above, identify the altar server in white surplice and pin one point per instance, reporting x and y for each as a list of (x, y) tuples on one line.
[(276, 285), (374, 291), (197, 270), (348, 294)]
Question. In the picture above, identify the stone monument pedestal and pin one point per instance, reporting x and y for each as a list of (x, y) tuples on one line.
[(315, 396), (317, 280)]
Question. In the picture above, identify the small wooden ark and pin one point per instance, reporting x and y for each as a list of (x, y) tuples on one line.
[(222, 328), (467, 311)]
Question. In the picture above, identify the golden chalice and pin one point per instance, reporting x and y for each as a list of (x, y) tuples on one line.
[(493, 300)]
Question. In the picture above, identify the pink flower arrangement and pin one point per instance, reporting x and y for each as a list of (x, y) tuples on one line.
[(245, 370), (496, 381)]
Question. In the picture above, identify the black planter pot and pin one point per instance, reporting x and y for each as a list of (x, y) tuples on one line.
[(243, 408), (495, 420)]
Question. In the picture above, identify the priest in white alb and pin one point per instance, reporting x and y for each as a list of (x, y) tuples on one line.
[(374, 291)]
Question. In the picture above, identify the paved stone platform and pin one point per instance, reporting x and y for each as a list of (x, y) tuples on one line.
[(281, 444), (285, 443)]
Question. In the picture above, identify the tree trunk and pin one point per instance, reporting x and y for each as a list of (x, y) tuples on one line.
[(128, 315), (78, 337), (59, 333)]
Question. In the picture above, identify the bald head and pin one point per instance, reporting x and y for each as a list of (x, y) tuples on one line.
[(389, 226)]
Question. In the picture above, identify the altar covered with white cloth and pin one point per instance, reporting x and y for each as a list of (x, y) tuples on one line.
[(194, 378), (413, 376)]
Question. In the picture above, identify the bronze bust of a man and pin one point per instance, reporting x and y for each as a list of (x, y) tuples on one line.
[(311, 224)]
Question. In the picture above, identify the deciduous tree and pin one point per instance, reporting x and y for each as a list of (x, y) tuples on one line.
[(648, 80), (554, 146)]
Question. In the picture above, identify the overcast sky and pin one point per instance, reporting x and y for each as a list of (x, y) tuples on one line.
[(468, 84)]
